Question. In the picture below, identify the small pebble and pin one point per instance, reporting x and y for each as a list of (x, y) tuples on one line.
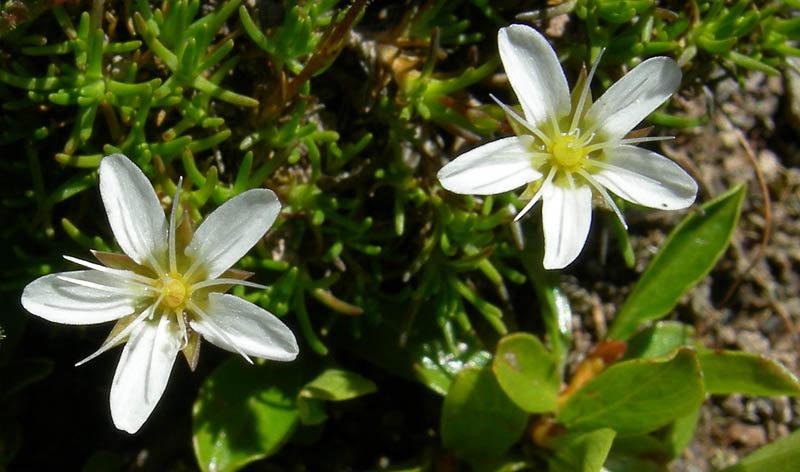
[(733, 405), (753, 342), (782, 410), (747, 435)]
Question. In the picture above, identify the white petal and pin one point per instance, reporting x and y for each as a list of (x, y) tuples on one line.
[(535, 73), (60, 301), (495, 167), (637, 94), (566, 218), (255, 331), (135, 215), (143, 372), (232, 229), (647, 178)]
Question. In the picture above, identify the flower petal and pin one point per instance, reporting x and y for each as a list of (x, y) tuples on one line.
[(495, 167), (133, 209), (535, 73), (646, 178), (255, 331), (637, 94), (61, 301), (566, 218), (143, 372), (232, 229)]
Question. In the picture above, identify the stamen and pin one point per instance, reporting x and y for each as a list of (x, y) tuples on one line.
[(515, 116), (608, 144), (584, 93), (122, 334), (123, 274), (602, 191), (156, 266), (106, 288), (538, 194), (570, 180), (227, 281), (173, 216), (213, 327)]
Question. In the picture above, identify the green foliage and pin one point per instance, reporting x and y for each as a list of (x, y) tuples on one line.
[(479, 422), (378, 271), (783, 454), (637, 396), (688, 254), (527, 373), (244, 413)]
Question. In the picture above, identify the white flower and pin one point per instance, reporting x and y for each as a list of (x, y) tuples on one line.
[(567, 147), (168, 291)]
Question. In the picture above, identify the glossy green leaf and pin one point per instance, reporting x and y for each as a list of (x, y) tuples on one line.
[(688, 254), (680, 433), (244, 413), (527, 373), (436, 366), (331, 385), (337, 385), (783, 454), (637, 396), (659, 340), (555, 309), (479, 421), (749, 374), (581, 452)]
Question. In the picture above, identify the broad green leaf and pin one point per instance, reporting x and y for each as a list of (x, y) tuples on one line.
[(337, 385), (553, 303), (244, 413), (727, 372), (637, 396), (680, 433), (688, 254), (437, 366), (479, 421), (506, 463), (582, 452), (624, 463), (659, 340), (783, 454), (527, 373), (331, 385)]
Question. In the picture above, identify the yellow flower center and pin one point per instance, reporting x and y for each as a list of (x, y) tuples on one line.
[(566, 152), (174, 290)]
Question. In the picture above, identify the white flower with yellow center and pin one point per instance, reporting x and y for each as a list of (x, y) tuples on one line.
[(169, 289), (567, 147)]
